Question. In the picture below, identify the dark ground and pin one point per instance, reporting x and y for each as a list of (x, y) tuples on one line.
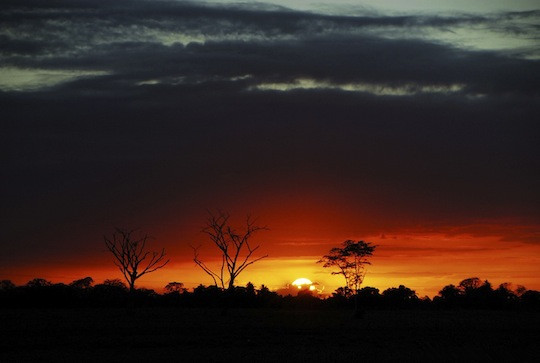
[(261, 335)]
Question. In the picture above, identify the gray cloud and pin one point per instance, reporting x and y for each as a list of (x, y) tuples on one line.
[(179, 42)]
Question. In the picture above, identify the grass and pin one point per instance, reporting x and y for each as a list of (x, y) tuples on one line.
[(262, 335)]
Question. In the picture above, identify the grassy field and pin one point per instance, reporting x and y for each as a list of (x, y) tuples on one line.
[(80, 335)]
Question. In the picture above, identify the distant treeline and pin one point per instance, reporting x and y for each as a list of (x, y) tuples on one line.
[(469, 293)]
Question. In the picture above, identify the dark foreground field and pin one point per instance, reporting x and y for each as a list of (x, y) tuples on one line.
[(266, 335)]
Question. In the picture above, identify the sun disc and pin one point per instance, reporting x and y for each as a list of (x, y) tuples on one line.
[(302, 281)]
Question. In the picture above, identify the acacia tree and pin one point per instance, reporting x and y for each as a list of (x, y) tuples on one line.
[(234, 247), (131, 256), (350, 260)]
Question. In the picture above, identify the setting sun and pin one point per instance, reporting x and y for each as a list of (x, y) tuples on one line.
[(301, 282)]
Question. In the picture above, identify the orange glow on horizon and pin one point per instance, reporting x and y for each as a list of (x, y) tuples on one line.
[(425, 259)]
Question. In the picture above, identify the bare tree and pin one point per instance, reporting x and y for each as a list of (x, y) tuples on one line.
[(235, 248), (131, 256), (350, 260)]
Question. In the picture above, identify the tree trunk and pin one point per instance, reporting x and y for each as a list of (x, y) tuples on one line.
[(231, 284), (132, 284), (131, 294)]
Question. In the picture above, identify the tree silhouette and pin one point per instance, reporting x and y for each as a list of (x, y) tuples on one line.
[(175, 287), (235, 248), (470, 284), (6, 285), (84, 283), (450, 295), (131, 256), (369, 296), (504, 296), (400, 296), (114, 284), (350, 259), (343, 291), (38, 283)]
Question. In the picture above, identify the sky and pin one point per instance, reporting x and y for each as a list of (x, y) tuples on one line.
[(409, 124)]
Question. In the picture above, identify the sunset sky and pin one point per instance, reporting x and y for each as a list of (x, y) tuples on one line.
[(409, 124)]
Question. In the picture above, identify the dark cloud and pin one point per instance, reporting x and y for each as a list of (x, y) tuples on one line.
[(91, 22), (174, 124), (276, 45), (339, 60)]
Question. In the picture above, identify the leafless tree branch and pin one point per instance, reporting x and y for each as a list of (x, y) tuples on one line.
[(130, 255), (235, 249)]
